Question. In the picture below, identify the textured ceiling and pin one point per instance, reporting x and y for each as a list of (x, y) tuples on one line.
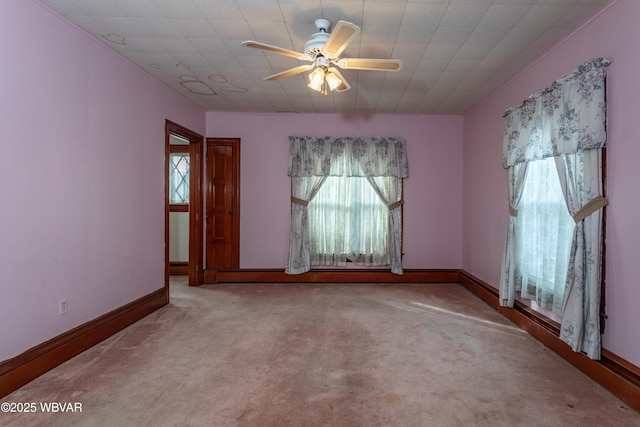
[(455, 52)]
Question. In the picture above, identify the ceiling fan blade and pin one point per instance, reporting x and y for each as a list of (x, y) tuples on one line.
[(369, 64), (275, 49), (290, 72), (342, 87), (343, 33)]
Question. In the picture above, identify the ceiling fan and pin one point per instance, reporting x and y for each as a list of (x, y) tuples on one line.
[(323, 50)]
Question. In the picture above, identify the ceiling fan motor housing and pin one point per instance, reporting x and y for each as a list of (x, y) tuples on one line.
[(313, 47)]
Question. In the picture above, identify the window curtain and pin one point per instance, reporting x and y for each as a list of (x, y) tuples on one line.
[(581, 181), (303, 191), (516, 175), (312, 159), (389, 189), (566, 121)]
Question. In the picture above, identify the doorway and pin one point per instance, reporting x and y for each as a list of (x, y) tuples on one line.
[(222, 213), (183, 204)]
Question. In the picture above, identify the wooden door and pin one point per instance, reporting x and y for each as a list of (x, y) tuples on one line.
[(222, 214), (194, 208)]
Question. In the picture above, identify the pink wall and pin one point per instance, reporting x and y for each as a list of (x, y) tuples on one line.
[(612, 34), (433, 192), (82, 212), (82, 175)]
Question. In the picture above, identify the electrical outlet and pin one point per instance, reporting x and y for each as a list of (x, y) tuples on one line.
[(62, 306)]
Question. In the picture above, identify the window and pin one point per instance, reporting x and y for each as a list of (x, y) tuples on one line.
[(360, 181), (566, 120), (348, 220), (544, 231), (179, 178)]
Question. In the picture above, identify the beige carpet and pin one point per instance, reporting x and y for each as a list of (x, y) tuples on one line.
[(320, 355)]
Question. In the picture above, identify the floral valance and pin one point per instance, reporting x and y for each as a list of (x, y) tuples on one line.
[(347, 156), (568, 116)]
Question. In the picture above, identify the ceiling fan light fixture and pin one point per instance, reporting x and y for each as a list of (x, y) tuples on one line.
[(333, 80), (316, 79)]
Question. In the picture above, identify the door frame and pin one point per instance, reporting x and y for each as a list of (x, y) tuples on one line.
[(195, 203), (210, 273)]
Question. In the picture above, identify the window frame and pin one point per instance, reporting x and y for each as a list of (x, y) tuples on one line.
[(546, 317), (535, 281), (349, 260), (179, 149)]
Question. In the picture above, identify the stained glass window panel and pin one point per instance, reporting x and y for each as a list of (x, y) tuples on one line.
[(179, 178)]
